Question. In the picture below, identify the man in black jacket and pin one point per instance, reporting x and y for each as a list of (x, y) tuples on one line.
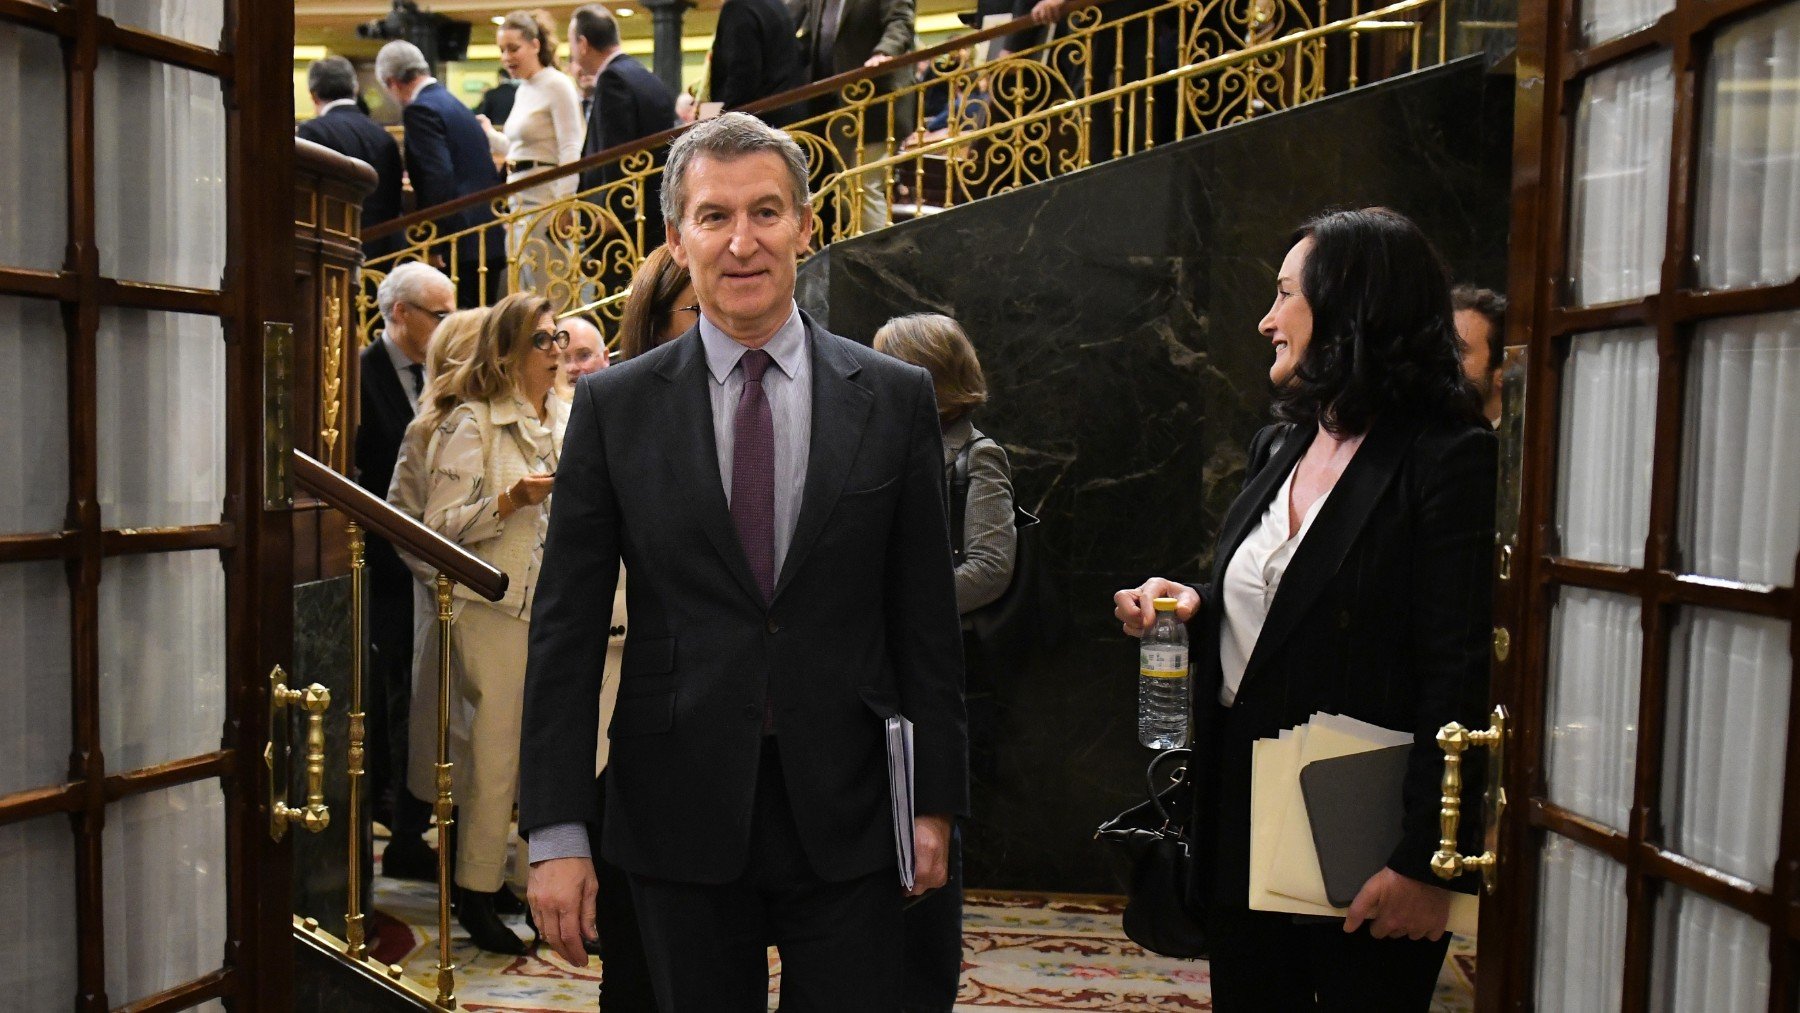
[(629, 101), (412, 299), (754, 55), (339, 125)]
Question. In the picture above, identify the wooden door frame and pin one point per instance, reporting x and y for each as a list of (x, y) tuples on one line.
[(1552, 65), (255, 546)]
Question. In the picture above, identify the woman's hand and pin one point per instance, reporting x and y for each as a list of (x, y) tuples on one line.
[(531, 490), (1135, 607), (1046, 11), (1397, 906)]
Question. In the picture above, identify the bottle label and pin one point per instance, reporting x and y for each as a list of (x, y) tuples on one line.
[(1163, 662)]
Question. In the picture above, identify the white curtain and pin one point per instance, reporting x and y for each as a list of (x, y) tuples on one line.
[(1620, 197), (1729, 680), (161, 382), (1581, 929), (1747, 224), (197, 21), (159, 172), (1608, 437), (1740, 506), (34, 428), (37, 915), (162, 657), (34, 151), (1608, 19), (164, 859), (34, 680), (1708, 957), (1596, 650)]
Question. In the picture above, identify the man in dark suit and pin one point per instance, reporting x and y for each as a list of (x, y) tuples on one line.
[(446, 158), (339, 125), (629, 101), (839, 36), (754, 55), (775, 493), (412, 299)]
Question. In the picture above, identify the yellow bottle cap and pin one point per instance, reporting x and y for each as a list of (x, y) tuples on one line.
[(1165, 604)]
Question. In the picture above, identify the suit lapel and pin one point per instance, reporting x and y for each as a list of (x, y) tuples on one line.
[(1249, 507), (840, 414), (1335, 529), (387, 380), (694, 454)]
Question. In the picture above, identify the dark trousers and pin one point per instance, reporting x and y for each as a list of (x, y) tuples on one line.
[(624, 970), (387, 699), (1265, 962), (932, 972), (839, 942), (470, 292)]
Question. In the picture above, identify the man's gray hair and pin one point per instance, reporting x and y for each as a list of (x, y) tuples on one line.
[(331, 78), (407, 283), (730, 136), (400, 61)]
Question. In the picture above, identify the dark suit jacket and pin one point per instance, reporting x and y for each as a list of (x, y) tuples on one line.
[(1383, 614), (349, 131), (629, 102), (754, 55), (865, 27), (447, 157), (863, 622), (385, 415)]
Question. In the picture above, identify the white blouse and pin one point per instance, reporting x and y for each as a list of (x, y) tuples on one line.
[(545, 125), (1251, 580)]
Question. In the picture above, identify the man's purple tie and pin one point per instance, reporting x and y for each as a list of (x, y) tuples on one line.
[(753, 472)]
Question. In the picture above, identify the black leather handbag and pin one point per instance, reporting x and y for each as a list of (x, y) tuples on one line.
[(1152, 849)]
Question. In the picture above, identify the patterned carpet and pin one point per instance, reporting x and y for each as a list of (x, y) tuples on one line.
[(1023, 952)]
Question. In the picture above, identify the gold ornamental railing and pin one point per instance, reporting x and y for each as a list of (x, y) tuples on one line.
[(1108, 85), (454, 565)]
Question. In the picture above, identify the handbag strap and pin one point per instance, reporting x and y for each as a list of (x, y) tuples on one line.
[(1150, 779)]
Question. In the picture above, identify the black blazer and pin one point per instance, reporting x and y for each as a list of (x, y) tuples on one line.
[(863, 622), (349, 131), (755, 56), (385, 415), (447, 157), (629, 102), (1383, 614)]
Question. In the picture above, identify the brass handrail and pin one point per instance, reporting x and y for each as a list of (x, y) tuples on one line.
[(374, 514)]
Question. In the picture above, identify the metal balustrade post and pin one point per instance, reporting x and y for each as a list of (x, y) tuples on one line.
[(354, 939), (446, 970)]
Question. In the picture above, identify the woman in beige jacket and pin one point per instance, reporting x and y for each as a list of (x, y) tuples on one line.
[(493, 460)]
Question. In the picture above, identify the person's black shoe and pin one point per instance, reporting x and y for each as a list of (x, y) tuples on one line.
[(475, 913), (409, 859), (507, 904)]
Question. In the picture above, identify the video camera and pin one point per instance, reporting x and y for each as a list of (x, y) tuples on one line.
[(440, 38)]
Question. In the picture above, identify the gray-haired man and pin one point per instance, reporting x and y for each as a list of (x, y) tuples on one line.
[(776, 493)]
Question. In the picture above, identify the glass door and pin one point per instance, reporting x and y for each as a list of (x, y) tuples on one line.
[(134, 556)]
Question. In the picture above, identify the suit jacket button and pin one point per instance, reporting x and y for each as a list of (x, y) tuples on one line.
[(774, 627)]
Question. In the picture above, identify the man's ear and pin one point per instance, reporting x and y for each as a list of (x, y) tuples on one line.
[(672, 236), (806, 226)]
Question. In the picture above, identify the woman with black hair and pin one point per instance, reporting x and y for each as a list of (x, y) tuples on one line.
[(1351, 576)]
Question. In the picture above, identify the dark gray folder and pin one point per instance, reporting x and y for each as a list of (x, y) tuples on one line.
[(1354, 805)]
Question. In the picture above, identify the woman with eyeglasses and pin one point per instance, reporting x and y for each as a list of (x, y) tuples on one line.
[(493, 460)]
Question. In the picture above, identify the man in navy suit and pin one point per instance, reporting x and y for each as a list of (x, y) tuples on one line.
[(446, 158), (342, 127), (629, 103), (754, 55)]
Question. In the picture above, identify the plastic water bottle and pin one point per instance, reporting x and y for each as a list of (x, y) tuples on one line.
[(1163, 681)]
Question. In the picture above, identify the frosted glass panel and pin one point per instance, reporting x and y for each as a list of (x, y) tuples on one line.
[(34, 428), (1708, 957), (197, 21), (34, 150), (162, 657), (1747, 224), (37, 915), (1729, 680), (1608, 434), (1596, 647), (164, 856), (1581, 929), (1740, 503), (1608, 19), (34, 680), (159, 172), (162, 419), (1621, 181)]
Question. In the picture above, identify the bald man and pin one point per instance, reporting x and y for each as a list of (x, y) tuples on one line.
[(586, 353)]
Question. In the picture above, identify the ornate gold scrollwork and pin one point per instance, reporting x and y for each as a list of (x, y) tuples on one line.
[(1454, 739), (314, 815), (331, 375)]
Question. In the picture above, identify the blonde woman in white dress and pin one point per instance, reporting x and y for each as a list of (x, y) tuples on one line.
[(544, 130)]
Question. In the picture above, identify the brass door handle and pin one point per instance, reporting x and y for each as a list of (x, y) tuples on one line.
[(1453, 739), (315, 816)]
